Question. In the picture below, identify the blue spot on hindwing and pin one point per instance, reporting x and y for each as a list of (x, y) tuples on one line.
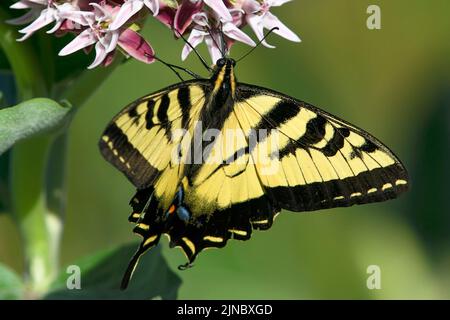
[(183, 213)]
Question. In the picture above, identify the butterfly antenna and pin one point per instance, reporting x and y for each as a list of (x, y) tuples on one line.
[(174, 68), (170, 66), (193, 49), (222, 37), (257, 44), (215, 42)]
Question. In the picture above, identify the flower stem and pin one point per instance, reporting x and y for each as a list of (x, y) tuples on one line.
[(28, 162), (37, 165), (27, 168)]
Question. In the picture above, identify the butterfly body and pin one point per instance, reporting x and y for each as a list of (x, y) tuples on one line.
[(201, 154)]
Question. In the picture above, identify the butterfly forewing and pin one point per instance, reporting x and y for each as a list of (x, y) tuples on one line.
[(139, 140), (324, 161)]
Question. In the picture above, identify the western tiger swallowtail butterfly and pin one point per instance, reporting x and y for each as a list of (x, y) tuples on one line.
[(201, 186)]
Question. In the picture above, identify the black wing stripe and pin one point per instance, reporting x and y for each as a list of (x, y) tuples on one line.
[(149, 115), (282, 112), (184, 99), (130, 162), (336, 143), (337, 187), (163, 117), (315, 131)]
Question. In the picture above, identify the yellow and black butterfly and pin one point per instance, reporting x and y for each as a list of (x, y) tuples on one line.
[(320, 161)]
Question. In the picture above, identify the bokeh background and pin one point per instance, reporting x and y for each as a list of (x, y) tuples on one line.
[(393, 82)]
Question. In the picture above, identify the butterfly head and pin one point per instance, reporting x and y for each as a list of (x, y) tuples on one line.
[(223, 77), (225, 62)]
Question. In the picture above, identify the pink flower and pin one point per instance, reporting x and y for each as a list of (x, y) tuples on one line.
[(202, 31), (106, 24), (166, 15), (106, 40), (189, 8), (47, 12), (257, 15), (32, 14), (130, 8)]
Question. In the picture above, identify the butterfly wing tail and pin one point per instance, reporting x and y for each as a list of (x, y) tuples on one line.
[(147, 243), (140, 204), (130, 269)]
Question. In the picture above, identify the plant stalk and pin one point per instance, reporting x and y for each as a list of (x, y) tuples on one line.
[(37, 166), (27, 169), (28, 161)]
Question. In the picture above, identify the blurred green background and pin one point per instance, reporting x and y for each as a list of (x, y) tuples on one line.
[(393, 82)]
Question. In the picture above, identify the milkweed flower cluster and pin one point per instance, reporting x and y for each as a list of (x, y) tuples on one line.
[(110, 26)]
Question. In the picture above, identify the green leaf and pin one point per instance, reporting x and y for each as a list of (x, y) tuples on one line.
[(4, 65), (7, 95), (11, 286), (4, 183), (29, 118), (102, 273)]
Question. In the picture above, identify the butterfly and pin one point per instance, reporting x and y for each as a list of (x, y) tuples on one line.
[(213, 159)]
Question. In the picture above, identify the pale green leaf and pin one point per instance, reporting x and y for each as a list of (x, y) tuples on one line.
[(28, 119), (11, 286)]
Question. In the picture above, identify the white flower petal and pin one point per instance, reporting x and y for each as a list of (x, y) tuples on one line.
[(255, 22), (277, 3), (201, 19), (219, 7), (83, 40), (195, 38), (128, 9), (251, 6), (214, 51), (66, 8), (83, 18), (99, 11), (270, 21), (45, 18), (153, 5), (100, 55), (20, 5), (24, 37), (113, 39), (235, 33), (56, 26)]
